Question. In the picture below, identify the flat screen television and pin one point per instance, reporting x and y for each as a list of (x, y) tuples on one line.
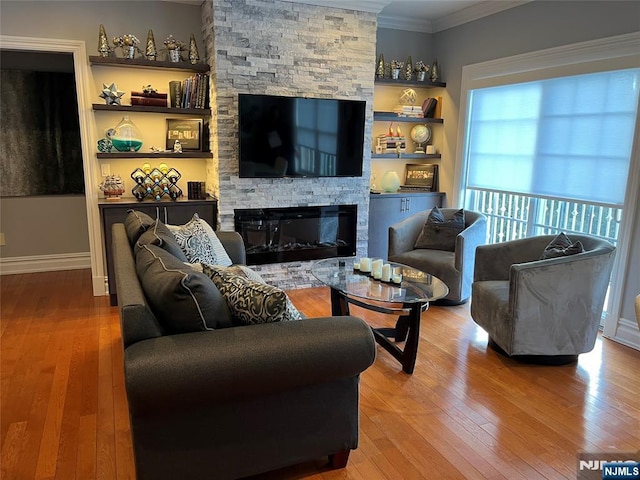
[(300, 137)]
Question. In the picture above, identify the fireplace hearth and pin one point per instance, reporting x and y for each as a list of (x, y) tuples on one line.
[(278, 235)]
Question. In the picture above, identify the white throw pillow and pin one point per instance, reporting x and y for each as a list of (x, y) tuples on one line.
[(200, 243)]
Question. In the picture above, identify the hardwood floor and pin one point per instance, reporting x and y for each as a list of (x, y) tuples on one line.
[(466, 412)]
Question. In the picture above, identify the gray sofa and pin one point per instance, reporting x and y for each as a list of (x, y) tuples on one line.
[(237, 401)]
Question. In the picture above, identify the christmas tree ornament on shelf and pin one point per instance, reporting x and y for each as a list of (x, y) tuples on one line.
[(193, 50), (435, 71), (103, 43), (151, 52), (380, 67), (408, 68)]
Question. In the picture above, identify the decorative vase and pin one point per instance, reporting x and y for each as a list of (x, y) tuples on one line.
[(174, 55), (126, 137), (395, 73), (390, 182), (129, 51), (422, 76)]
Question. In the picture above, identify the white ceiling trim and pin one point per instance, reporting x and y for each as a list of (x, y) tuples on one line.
[(373, 6), (403, 23), (475, 12)]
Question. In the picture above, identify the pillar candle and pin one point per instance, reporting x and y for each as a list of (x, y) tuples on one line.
[(386, 273), (376, 267), (365, 265)]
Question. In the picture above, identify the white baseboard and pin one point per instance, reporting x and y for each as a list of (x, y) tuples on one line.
[(627, 333), (45, 263)]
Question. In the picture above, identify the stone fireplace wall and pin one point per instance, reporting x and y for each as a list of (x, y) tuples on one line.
[(283, 48)]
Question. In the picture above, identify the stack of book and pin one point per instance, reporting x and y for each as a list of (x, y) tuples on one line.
[(192, 92), (408, 111), (388, 142), (153, 99)]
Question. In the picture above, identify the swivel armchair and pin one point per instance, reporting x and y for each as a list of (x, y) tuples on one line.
[(454, 268), (541, 311)]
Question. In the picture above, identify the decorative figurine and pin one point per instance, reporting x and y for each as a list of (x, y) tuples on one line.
[(111, 94), (105, 145), (435, 71), (193, 50), (380, 67), (112, 186), (177, 147), (408, 68), (103, 43), (149, 90), (151, 51)]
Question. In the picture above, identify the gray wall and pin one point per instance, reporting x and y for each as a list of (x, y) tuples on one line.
[(77, 20)]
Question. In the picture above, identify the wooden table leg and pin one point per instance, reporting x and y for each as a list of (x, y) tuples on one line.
[(413, 337)]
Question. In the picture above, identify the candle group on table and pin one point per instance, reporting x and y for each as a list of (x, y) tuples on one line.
[(378, 269)]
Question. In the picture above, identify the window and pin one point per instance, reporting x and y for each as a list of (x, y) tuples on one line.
[(552, 154)]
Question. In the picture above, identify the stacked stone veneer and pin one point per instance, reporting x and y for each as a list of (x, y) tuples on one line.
[(285, 48)]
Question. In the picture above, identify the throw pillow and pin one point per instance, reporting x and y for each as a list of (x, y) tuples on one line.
[(182, 299), (159, 235), (200, 243), (250, 302), (136, 224), (561, 246), (439, 233), (290, 313)]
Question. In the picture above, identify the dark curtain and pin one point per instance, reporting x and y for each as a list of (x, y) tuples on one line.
[(40, 149)]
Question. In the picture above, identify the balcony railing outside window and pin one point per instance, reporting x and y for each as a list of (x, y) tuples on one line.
[(512, 216)]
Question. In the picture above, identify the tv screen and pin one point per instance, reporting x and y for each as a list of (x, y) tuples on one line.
[(300, 137)]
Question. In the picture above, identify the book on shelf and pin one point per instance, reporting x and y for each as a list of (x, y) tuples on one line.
[(429, 107), (195, 91), (149, 101), (175, 94)]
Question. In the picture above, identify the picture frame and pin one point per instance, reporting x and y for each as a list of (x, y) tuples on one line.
[(188, 131), (422, 175)]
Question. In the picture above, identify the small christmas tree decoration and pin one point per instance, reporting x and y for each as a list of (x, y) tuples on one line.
[(103, 43), (408, 68), (380, 67), (151, 51), (435, 71), (193, 50)]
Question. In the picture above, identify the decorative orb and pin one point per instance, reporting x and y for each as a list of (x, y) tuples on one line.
[(421, 134), (408, 97), (390, 182)]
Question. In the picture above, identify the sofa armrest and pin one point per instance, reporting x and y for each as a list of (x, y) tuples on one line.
[(204, 368), (233, 244), (467, 242), (403, 235)]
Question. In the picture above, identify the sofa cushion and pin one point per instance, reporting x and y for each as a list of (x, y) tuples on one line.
[(200, 243), (561, 246), (439, 233), (290, 313), (250, 301), (158, 234), (135, 224), (182, 299)]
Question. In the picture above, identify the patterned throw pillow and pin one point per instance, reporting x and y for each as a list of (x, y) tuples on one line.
[(439, 233), (561, 246), (200, 243), (264, 307)]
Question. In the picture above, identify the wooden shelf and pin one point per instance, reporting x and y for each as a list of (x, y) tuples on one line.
[(200, 112), (409, 83), (152, 64), (394, 117), (406, 156), (105, 156)]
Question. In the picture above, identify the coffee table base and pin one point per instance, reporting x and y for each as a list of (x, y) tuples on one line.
[(407, 327)]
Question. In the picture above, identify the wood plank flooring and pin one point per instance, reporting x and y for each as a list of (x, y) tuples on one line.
[(466, 412)]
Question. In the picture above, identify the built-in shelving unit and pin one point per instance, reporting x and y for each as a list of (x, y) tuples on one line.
[(184, 154), (144, 63), (407, 156), (409, 83), (394, 117), (201, 112)]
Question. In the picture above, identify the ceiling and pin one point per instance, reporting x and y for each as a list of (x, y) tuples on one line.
[(426, 16)]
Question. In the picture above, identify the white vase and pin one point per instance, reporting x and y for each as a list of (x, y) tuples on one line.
[(390, 182)]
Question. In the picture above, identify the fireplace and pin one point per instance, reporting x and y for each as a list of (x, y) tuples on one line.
[(277, 235)]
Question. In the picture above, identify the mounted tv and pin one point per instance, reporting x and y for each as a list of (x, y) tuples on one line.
[(300, 137)]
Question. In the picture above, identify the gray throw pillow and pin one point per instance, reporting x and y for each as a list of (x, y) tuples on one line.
[(135, 224), (439, 233), (561, 246), (200, 243), (158, 234), (182, 299)]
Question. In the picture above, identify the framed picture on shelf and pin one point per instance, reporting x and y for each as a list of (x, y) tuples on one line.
[(187, 131), (422, 175)]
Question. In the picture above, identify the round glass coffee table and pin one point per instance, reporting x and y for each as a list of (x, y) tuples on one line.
[(411, 297)]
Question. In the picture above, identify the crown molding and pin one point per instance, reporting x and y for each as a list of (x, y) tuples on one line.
[(475, 12), (373, 6), (411, 24)]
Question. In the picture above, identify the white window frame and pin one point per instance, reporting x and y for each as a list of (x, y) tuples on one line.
[(612, 53)]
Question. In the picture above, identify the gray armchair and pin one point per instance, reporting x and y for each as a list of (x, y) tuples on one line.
[(547, 311), (455, 268)]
